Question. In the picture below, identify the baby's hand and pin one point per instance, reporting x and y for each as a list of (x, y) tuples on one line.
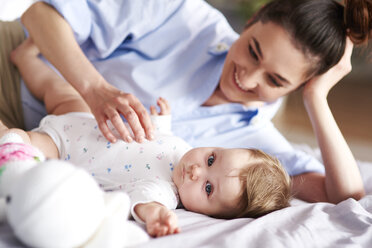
[(160, 221), (163, 105)]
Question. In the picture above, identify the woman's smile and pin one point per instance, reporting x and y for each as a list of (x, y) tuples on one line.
[(237, 82)]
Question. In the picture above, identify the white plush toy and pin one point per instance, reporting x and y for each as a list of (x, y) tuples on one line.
[(55, 204)]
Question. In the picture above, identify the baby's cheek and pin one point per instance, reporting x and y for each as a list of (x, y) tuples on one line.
[(176, 177), (189, 198), (183, 197)]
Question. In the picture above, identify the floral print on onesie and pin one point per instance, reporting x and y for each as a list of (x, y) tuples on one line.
[(143, 170)]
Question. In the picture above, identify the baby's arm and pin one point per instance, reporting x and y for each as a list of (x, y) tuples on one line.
[(159, 220), (342, 179)]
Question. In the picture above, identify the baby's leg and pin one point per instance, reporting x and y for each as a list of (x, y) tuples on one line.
[(40, 140), (44, 83)]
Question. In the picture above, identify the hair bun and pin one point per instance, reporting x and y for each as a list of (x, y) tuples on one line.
[(358, 20)]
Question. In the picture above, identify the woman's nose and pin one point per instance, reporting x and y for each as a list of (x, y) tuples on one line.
[(195, 172), (250, 79)]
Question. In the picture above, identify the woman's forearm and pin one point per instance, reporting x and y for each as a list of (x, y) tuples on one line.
[(55, 39), (342, 179)]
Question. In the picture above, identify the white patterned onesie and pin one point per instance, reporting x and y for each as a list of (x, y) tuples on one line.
[(144, 171)]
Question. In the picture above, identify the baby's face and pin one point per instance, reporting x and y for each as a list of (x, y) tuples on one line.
[(207, 179)]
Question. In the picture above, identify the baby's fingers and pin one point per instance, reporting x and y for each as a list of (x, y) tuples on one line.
[(171, 221), (173, 229), (157, 230), (162, 231), (153, 110), (164, 106)]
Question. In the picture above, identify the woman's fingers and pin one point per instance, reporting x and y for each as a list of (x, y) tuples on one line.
[(119, 125), (112, 106), (144, 119), (134, 123), (322, 84), (102, 125)]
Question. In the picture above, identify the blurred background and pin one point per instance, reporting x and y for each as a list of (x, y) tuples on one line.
[(350, 100)]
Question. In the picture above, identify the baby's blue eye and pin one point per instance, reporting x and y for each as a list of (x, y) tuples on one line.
[(208, 188), (210, 160)]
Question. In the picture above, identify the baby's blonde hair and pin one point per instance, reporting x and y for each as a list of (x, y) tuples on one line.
[(266, 187)]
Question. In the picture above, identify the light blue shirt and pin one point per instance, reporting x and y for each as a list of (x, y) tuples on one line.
[(175, 49)]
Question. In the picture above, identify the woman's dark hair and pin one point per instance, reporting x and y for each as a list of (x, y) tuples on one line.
[(319, 27)]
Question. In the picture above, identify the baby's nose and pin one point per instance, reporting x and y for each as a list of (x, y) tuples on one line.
[(195, 172)]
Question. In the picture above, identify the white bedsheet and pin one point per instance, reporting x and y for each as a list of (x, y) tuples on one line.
[(347, 224)]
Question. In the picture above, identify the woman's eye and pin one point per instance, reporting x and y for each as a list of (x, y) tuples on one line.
[(210, 160), (208, 188), (253, 54), (274, 82)]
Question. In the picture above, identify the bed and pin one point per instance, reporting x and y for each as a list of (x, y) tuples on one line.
[(347, 224)]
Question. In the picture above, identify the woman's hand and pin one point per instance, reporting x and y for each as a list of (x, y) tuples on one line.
[(108, 103), (159, 220), (320, 86)]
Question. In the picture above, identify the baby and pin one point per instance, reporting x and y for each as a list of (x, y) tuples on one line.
[(158, 175)]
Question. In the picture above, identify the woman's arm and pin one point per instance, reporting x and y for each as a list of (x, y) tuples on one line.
[(55, 39), (342, 179)]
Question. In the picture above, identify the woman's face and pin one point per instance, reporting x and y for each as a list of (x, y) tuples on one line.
[(262, 65)]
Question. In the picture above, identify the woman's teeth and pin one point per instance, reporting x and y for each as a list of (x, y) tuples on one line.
[(241, 86)]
